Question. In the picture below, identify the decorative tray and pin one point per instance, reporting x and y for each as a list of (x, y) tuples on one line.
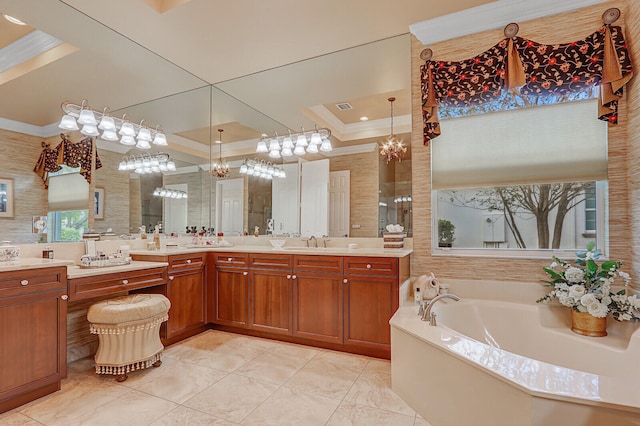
[(88, 262)]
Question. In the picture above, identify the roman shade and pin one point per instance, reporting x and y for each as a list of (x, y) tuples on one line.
[(553, 143), (68, 192)]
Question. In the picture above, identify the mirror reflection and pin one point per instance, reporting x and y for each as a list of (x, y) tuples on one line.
[(359, 194)]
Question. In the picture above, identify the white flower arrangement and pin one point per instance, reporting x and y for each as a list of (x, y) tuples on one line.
[(587, 287)]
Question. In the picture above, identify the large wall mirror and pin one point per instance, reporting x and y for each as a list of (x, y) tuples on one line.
[(109, 70)]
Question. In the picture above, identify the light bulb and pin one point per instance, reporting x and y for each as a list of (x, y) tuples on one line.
[(107, 123), (127, 129), (312, 149), (301, 141), (67, 122), (87, 117), (160, 139), (142, 144), (89, 130), (315, 138), (262, 147), (299, 150), (109, 135)]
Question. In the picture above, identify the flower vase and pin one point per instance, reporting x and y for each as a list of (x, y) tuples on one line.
[(586, 324)]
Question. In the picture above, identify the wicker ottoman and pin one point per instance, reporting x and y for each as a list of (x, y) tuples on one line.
[(128, 332)]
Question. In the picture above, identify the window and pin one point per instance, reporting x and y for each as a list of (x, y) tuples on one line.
[(68, 198), (590, 218), (522, 179), (68, 225)]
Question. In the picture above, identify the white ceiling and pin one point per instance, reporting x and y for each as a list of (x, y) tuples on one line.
[(273, 63)]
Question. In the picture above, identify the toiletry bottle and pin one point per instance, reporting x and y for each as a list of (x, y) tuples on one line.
[(417, 295), (47, 253), (156, 240)]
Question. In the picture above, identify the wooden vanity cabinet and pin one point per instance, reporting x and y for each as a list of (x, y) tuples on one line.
[(270, 293), (231, 289), (317, 298), (33, 334), (371, 297), (186, 291)]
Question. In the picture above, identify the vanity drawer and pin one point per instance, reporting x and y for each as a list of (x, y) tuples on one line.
[(32, 281), (180, 262), (370, 266), (317, 263), (103, 285), (271, 261), (231, 259)]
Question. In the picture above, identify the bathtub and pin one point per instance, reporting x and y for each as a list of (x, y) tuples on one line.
[(504, 363)]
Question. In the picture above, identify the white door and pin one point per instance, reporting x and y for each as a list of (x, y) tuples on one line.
[(229, 206), (175, 211), (286, 201), (314, 198), (339, 187)]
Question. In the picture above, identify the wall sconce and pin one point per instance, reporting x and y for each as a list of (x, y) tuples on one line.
[(305, 142), (261, 169), (93, 121), (147, 163)]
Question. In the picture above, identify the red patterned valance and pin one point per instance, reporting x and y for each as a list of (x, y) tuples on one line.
[(531, 68), (71, 154)]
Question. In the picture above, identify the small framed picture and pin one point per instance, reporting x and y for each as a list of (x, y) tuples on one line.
[(6, 197), (40, 224), (98, 203)]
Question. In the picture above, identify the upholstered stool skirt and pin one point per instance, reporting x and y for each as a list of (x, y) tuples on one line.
[(128, 330)]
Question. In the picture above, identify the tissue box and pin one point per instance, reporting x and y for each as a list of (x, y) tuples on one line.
[(394, 239)]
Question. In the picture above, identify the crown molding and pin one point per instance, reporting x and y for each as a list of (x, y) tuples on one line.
[(491, 16)]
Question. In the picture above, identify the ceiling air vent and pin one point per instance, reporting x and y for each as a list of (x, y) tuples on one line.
[(344, 106)]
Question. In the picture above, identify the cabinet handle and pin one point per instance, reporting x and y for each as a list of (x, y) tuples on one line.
[(368, 266), (289, 276), (64, 297), (294, 276), (125, 282), (229, 259), (245, 273), (188, 260), (171, 277), (345, 280), (24, 282)]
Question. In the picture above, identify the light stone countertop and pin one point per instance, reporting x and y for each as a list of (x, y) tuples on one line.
[(32, 263), (75, 271), (329, 251)]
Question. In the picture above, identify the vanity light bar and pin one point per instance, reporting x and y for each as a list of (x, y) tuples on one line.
[(147, 163), (93, 122), (261, 169), (170, 193), (296, 143)]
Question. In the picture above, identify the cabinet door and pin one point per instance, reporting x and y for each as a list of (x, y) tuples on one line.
[(33, 343), (232, 297), (187, 296), (369, 304), (317, 307), (271, 301)]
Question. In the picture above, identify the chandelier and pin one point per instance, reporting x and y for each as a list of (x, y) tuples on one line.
[(147, 163), (305, 142), (170, 193), (220, 169), (392, 148), (93, 122), (261, 169)]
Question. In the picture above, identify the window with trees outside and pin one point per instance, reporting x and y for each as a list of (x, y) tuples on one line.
[(521, 175), (68, 199)]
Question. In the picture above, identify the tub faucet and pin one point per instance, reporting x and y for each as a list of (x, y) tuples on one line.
[(427, 314)]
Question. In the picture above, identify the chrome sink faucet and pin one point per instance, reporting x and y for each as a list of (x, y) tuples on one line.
[(315, 241), (427, 314)]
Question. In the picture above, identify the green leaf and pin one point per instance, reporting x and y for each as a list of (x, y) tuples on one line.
[(591, 245), (606, 266), (593, 266)]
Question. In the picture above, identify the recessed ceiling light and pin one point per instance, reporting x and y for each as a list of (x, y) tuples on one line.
[(13, 20), (364, 118)]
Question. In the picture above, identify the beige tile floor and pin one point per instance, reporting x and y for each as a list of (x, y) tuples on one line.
[(219, 378)]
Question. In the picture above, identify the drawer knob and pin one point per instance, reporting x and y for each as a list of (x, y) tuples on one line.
[(125, 282), (245, 273), (188, 260), (368, 266), (24, 282), (171, 277), (289, 276), (294, 276), (64, 297), (345, 280), (229, 259)]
